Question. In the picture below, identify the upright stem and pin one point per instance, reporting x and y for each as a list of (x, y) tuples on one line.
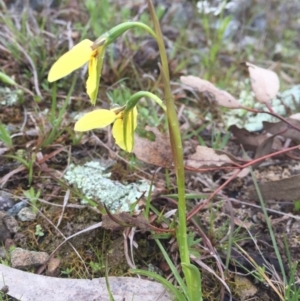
[(176, 143)]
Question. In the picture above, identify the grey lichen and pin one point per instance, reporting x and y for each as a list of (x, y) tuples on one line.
[(9, 97), (94, 182)]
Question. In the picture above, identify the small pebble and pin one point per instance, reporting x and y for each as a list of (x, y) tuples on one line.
[(53, 267), (5, 227), (3, 253), (10, 223), (6, 202), (26, 215), (24, 259), (13, 211)]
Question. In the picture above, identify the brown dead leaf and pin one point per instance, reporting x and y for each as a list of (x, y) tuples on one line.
[(264, 149), (295, 116), (232, 157), (126, 219), (251, 141), (53, 267), (243, 173), (283, 129), (264, 83), (221, 97), (287, 189), (156, 152), (243, 224), (207, 157)]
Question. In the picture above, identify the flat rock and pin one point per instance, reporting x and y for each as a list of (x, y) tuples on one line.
[(24, 259), (31, 287), (11, 223)]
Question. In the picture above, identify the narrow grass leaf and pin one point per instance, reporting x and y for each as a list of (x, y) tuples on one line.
[(111, 298), (178, 295), (173, 269), (263, 206)]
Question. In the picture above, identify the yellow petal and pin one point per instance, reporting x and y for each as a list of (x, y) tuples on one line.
[(71, 60), (95, 68), (118, 131), (94, 120), (92, 81)]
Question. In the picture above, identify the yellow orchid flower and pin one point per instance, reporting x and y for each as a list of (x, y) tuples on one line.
[(82, 53), (102, 118)]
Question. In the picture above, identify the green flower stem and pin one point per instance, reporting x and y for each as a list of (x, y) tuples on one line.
[(191, 279), (107, 38), (176, 143), (133, 100), (111, 35)]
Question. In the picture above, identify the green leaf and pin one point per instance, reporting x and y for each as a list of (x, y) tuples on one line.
[(5, 136), (178, 295), (194, 289), (7, 79)]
